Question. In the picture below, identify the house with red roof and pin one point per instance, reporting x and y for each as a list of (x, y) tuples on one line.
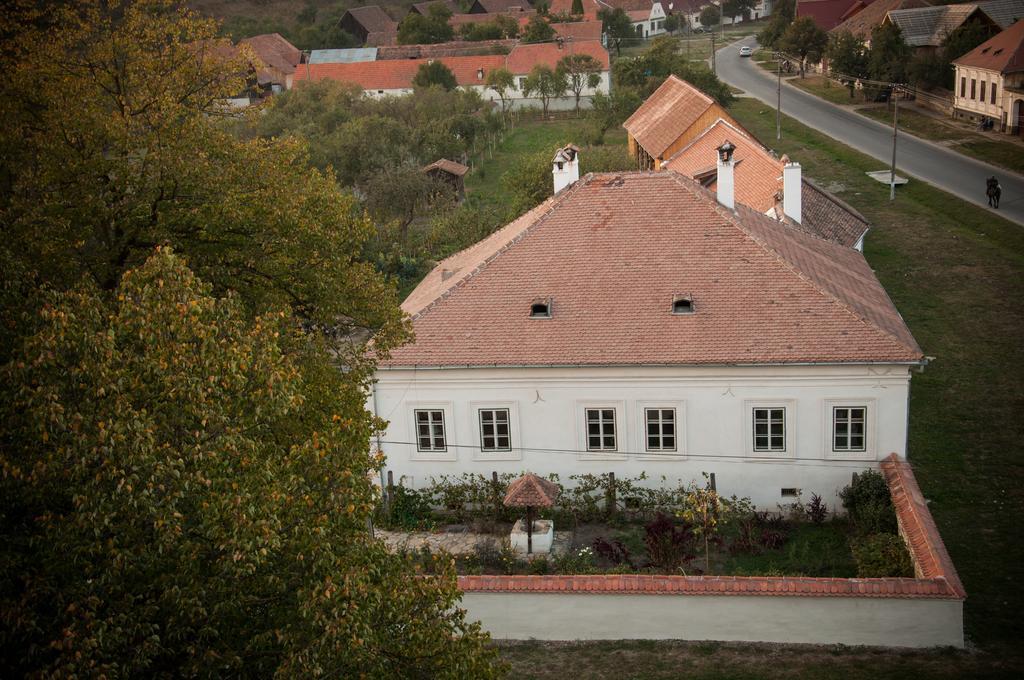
[(990, 81), (394, 77), (370, 24), (828, 14), (277, 59), (639, 322)]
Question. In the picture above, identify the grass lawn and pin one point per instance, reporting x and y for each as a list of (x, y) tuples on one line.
[(983, 147), (827, 89), (956, 273)]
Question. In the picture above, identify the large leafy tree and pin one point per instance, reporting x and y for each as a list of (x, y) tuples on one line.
[(537, 30), (581, 71), (889, 55), (710, 16), (783, 12), (435, 74), (736, 8), (183, 468), (417, 29), (847, 58), (805, 40), (545, 84), (617, 26), (185, 492)]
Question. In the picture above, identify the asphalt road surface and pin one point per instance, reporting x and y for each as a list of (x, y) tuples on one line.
[(917, 158)]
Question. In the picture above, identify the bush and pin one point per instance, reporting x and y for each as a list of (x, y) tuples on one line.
[(881, 555), (817, 511), (869, 504), (579, 562), (670, 545), (613, 551), (539, 566), (409, 510)]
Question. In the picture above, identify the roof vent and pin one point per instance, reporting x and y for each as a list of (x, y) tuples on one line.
[(682, 304), (540, 308), (997, 51)]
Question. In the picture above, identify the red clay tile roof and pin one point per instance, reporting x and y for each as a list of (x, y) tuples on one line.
[(459, 19), (522, 58), (613, 250), (826, 216), (424, 7), (579, 30), (863, 22), (648, 584), (1003, 53), (372, 18), (531, 490), (931, 560), (498, 6), (827, 14), (758, 173), (448, 166), (667, 114), (274, 51), (396, 74)]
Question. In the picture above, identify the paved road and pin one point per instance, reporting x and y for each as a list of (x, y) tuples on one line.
[(945, 169)]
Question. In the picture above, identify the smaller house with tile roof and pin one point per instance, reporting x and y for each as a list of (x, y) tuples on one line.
[(370, 25), (278, 60), (863, 22), (925, 28), (772, 185), (450, 173), (990, 81), (827, 14), (668, 120), (637, 322), (499, 6)]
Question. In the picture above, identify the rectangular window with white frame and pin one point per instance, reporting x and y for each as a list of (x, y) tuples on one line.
[(849, 429), (601, 429), (495, 430), (769, 429), (661, 430), (430, 432)]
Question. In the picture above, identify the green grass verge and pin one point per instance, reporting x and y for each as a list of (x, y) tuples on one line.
[(826, 89), (956, 273), (1004, 153)]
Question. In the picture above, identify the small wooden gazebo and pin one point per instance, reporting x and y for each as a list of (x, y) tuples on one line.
[(530, 491), (451, 173)]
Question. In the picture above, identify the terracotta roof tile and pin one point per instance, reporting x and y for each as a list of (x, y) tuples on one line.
[(613, 250), (863, 22), (395, 74), (448, 166), (531, 490), (524, 57), (1003, 53), (579, 30), (372, 18), (499, 6), (668, 113), (827, 14)]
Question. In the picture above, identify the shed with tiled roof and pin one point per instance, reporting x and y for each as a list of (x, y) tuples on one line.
[(369, 24), (927, 27), (863, 22), (668, 120)]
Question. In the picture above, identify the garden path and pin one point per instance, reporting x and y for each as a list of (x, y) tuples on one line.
[(456, 543)]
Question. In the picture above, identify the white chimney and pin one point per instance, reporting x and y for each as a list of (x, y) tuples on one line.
[(565, 167), (726, 181), (791, 189)]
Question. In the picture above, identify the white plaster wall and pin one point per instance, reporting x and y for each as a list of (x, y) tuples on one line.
[(985, 108), (713, 410), (817, 620), (518, 101)]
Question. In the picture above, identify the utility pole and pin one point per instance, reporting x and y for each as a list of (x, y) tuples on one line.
[(895, 128), (713, 68), (778, 93)]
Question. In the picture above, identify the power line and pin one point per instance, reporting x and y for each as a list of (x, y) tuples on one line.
[(790, 462)]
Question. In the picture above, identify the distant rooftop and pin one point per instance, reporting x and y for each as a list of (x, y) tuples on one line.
[(349, 56)]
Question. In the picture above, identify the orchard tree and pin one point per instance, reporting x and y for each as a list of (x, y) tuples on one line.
[(617, 25), (736, 8), (537, 30), (889, 55), (673, 22), (783, 13), (805, 40), (545, 84), (847, 58), (417, 29), (580, 71), (503, 83), (435, 74), (710, 16)]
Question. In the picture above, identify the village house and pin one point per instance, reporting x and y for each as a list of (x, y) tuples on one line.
[(423, 8), (278, 60), (649, 20), (925, 28), (990, 81), (638, 323), (498, 6), (862, 22), (775, 186), (827, 14), (670, 118), (370, 25), (395, 77)]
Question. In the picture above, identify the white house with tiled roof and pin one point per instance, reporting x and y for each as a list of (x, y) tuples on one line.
[(637, 322)]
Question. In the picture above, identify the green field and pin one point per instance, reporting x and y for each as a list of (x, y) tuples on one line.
[(956, 272)]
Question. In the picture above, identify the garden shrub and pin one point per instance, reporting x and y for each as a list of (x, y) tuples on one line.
[(869, 504), (409, 510), (670, 545), (538, 566), (579, 562), (816, 510), (881, 555), (612, 551)]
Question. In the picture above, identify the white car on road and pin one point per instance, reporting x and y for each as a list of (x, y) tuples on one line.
[(746, 51)]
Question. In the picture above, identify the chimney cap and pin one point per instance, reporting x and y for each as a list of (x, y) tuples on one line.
[(726, 150)]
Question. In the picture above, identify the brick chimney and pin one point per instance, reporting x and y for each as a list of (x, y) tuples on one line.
[(726, 182)]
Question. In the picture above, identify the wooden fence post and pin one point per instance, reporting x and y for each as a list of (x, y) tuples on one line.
[(610, 495), (711, 481), (497, 495), (390, 495)]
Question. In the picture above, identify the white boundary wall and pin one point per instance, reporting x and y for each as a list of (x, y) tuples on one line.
[(889, 622)]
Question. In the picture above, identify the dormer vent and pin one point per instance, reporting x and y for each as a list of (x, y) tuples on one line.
[(540, 308), (682, 304)]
